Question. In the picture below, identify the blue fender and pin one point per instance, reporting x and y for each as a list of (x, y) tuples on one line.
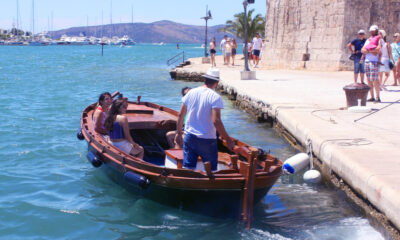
[(137, 179), (94, 159), (79, 134)]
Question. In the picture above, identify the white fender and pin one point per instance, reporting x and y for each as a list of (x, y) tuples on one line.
[(312, 176), (296, 163)]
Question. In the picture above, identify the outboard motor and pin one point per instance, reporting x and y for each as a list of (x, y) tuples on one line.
[(94, 159), (79, 134), (137, 179)]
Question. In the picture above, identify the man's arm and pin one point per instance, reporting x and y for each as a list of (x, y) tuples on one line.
[(216, 119), (350, 48), (179, 125)]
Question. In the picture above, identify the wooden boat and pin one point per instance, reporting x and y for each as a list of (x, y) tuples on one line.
[(243, 178)]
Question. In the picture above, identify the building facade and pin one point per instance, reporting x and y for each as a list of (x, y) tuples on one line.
[(313, 34)]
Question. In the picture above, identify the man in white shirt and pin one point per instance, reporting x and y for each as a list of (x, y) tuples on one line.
[(222, 47), (202, 107), (257, 46)]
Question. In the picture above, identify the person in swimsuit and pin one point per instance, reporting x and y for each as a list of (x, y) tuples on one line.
[(213, 51), (99, 115), (234, 47), (118, 130)]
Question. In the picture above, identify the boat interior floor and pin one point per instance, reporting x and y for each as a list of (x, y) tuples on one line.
[(154, 143)]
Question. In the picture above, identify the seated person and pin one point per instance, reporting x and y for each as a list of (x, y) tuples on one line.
[(171, 134), (117, 125), (99, 115)]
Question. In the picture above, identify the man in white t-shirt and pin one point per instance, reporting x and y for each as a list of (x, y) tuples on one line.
[(202, 107), (257, 46), (222, 47)]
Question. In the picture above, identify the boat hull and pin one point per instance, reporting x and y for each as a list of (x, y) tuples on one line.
[(232, 190), (215, 203)]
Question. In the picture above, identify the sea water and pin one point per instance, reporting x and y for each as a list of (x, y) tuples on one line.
[(48, 190)]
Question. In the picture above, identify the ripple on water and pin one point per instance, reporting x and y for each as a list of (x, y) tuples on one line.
[(48, 190)]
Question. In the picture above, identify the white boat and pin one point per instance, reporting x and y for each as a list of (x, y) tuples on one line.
[(125, 40)]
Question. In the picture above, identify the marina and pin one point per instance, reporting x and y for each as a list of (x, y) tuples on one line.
[(55, 186)]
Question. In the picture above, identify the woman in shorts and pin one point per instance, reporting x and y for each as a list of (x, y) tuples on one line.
[(234, 47), (213, 51), (228, 50), (386, 56)]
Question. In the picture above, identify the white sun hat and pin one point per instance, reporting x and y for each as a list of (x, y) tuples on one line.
[(212, 73), (361, 31), (373, 28)]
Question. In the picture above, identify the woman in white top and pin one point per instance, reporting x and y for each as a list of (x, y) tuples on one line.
[(228, 50), (385, 59)]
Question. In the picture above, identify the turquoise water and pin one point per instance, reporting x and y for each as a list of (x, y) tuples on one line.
[(48, 190)]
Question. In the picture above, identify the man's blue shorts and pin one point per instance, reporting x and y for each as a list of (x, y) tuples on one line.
[(358, 67), (193, 147)]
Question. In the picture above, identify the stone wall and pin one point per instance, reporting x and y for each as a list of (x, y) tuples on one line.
[(320, 30)]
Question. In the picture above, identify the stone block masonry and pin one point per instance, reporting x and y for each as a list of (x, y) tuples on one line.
[(320, 31)]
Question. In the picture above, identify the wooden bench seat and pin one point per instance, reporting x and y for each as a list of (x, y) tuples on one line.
[(174, 159)]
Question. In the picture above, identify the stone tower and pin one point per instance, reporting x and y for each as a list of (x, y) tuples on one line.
[(313, 34)]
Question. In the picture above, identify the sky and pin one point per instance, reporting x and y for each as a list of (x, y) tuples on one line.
[(72, 13)]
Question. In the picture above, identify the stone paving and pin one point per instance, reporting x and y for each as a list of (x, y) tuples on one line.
[(311, 105)]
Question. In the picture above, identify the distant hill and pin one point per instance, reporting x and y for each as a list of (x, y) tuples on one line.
[(161, 31)]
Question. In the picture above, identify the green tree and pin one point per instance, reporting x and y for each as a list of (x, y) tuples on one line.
[(236, 27)]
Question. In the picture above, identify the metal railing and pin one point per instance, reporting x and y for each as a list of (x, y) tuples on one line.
[(176, 58)]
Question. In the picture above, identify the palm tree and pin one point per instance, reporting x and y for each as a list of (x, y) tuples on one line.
[(236, 26)]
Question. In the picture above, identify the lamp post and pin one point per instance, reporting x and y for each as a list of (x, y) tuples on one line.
[(246, 73), (206, 18)]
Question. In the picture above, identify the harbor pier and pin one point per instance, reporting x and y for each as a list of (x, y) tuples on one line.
[(363, 155)]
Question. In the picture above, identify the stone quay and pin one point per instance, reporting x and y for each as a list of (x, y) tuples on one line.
[(362, 158)]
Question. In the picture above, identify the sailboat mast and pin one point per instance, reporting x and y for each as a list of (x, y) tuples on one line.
[(17, 15), (102, 24), (33, 18), (112, 32), (52, 24)]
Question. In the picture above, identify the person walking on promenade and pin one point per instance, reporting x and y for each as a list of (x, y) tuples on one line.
[(203, 119), (372, 65), (249, 51), (234, 47), (395, 46), (213, 51), (257, 45), (357, 45), (228, 51), (222, 47), (385, 60)]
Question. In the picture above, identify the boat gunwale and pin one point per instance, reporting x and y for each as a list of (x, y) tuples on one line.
[(162, 175)]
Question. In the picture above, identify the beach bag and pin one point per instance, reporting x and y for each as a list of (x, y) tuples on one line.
[(352, 57)]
